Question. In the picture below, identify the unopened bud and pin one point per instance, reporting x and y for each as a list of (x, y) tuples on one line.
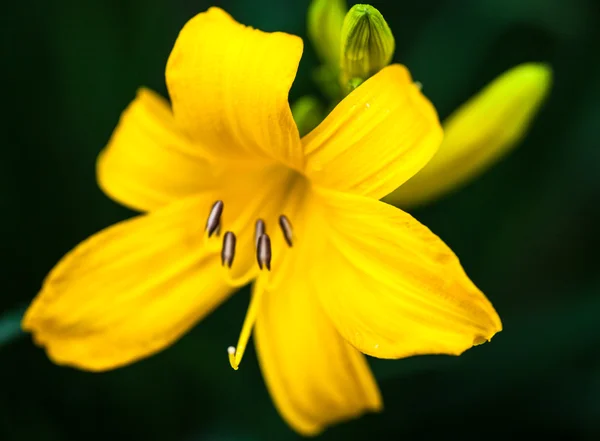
[(367, 44), (325, 19), (479, 133)]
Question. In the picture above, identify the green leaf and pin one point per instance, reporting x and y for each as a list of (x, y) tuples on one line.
[(10, 326)]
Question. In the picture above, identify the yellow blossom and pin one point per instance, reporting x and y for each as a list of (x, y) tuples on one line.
[(224, 180)]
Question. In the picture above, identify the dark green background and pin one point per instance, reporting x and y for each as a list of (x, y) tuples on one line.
[(526, 232)]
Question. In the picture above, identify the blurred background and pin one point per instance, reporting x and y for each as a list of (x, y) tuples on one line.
[(526, 232)]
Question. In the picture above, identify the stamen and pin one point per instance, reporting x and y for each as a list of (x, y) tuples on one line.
[(263, 252), (259, 230), (228, 250), (218, 231), (286, 227), (214, 217)]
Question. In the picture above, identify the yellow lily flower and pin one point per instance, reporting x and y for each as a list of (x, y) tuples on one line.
[(479, 133), (344, 274)]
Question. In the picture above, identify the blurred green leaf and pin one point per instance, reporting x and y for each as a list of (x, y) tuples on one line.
[(10, 326)]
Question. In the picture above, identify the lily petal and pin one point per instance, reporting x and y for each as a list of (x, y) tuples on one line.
[(148, 161), (229, 86), (393, 288), (479, 133), (377, 138), (128, 291), (314, 377)]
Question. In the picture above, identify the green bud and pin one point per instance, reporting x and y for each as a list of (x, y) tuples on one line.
[(353, 83), (308, 113), (367, 44), (325, 19)]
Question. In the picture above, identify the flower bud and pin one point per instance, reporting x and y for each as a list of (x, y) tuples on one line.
[(367, 44), (325, 19), (479, 133)]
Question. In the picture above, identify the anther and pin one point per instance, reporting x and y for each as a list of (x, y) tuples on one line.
[(228, 250), (263, 252), (259, 230), (214, 218), (286, 228)]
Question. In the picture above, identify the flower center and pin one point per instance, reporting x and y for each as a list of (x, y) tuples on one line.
[(262, 240)]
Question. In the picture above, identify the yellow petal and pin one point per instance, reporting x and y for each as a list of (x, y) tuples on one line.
[(229, 86), (479, 133), (376, 138), (315, 377), (128, 291), (393, 288), (148, 162)]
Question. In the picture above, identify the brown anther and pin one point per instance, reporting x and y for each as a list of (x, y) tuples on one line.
[(286, 228), (214, 218), (259, 230), (263, 252), (228, 250)]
